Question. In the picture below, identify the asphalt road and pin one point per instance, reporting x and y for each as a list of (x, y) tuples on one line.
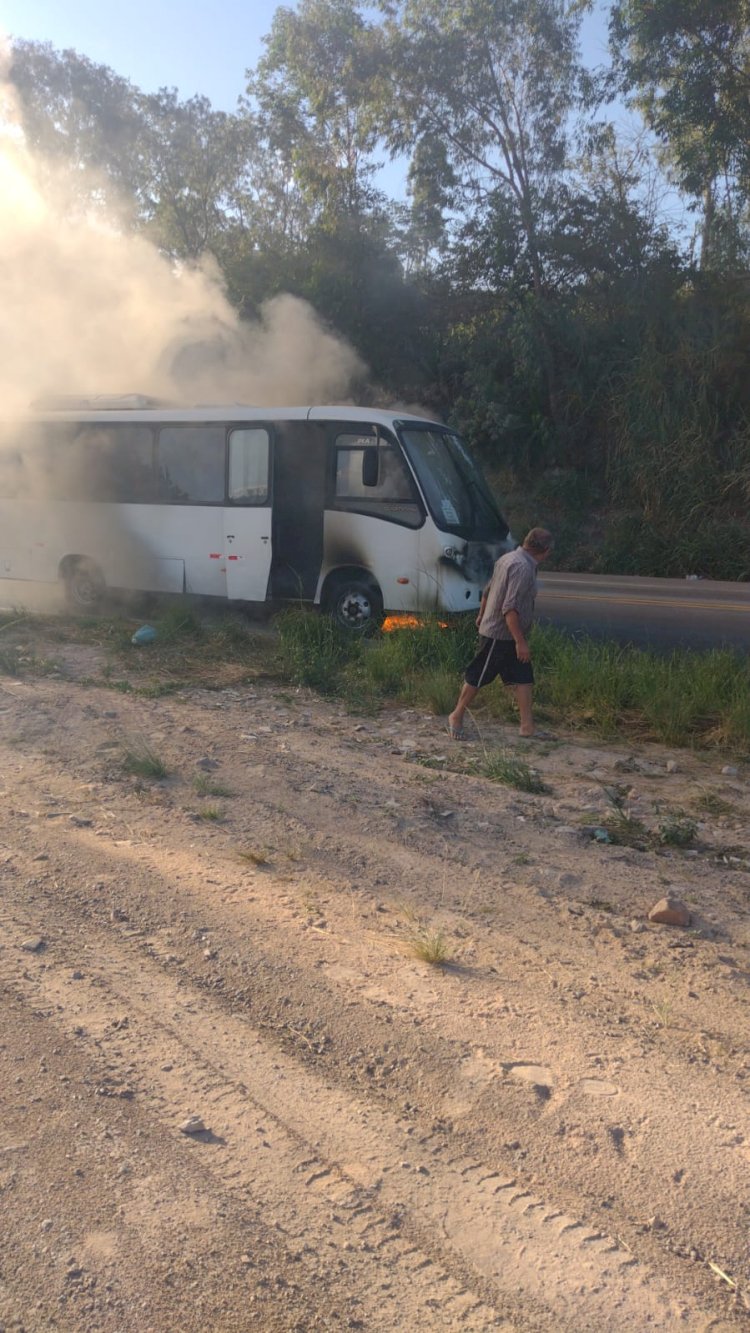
[(662, 613)]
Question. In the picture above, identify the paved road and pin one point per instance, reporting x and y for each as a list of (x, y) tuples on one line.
[(661, 612)]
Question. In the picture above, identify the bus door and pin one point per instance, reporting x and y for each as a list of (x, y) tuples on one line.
[(247, 515), (373, 522), (299, 490)]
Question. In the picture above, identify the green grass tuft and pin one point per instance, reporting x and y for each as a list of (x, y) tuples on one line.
[(205, 787), (141, 761), (678, 831), (213, 813), (511, 771)]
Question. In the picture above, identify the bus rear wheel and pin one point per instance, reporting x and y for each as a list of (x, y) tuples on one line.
[(355, 605), (84, 585)]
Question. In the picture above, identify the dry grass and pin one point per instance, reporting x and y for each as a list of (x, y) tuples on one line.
[(253, 856), (429, 946)]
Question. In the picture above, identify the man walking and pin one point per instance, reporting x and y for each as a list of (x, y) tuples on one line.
[(505, 618)]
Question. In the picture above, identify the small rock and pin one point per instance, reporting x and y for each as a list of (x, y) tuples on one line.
[(78, 822), (637, 927), (193, 1125), (670, 912), (209, 954), (76, 975), (33, 945), (206, 764), (46, 1224), (42, 857), (729, 771), (673, 766)]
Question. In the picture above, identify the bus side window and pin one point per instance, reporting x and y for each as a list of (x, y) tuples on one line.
[(394, 496), (248, 466), (191, 464), (113, 463)]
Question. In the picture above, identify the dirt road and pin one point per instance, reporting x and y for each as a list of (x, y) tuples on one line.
[(551, 1133)]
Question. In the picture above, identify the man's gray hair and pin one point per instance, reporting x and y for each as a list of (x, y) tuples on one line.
[(538, 539)]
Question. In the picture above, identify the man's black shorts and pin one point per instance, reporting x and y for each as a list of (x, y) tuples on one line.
[(497, 657)]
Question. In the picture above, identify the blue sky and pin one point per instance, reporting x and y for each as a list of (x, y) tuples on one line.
[(194, 46)]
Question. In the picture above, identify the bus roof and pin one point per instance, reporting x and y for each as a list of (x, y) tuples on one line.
[(230, 412)]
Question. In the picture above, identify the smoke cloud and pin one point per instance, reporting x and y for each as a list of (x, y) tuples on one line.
[(87, 308)]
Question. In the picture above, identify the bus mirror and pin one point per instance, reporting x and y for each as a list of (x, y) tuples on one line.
[(370, 466)]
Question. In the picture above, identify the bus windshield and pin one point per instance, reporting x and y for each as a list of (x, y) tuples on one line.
[(456, 492)]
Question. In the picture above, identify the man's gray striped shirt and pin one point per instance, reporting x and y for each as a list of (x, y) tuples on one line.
[(512, 588)]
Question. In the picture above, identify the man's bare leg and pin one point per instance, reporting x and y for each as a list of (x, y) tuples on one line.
[(456, 719), (524, 698)]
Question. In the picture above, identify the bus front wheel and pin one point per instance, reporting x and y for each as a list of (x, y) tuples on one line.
[(84, 585), (355, 605)]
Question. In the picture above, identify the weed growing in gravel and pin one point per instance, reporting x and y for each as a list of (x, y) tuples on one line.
[(678, 831), (255, 858), (10, 662), (429, 946), (143, 762), (663, 1012), (511, 771), (624, 828), (709, 803), (214, 813), (205, 787)]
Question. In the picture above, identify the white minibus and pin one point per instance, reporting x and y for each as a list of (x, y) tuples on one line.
[(359, 511)]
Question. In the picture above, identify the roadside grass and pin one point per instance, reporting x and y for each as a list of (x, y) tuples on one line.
[(588, 686), (313, 650), (593, 688), (212, 813), (682, 698)]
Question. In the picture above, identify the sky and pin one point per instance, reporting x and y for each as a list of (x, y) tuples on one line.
[(191, 45)]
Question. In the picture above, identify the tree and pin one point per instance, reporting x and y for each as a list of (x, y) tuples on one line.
[(194, 189), (310, 91), (481, 95), (687, 65), (75, 112), (176, 168)]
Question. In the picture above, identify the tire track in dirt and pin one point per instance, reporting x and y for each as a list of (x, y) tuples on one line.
[(88, 845), (326, 1155)]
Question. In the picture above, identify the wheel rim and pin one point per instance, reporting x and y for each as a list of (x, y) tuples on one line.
[(85, 588), (354, 610)]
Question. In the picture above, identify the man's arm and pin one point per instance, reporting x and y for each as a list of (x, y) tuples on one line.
[(523, 652), (482, 605)]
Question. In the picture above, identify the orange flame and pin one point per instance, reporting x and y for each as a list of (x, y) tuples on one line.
[(406, 621)]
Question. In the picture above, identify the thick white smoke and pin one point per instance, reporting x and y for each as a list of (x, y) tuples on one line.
[(86, 307)]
